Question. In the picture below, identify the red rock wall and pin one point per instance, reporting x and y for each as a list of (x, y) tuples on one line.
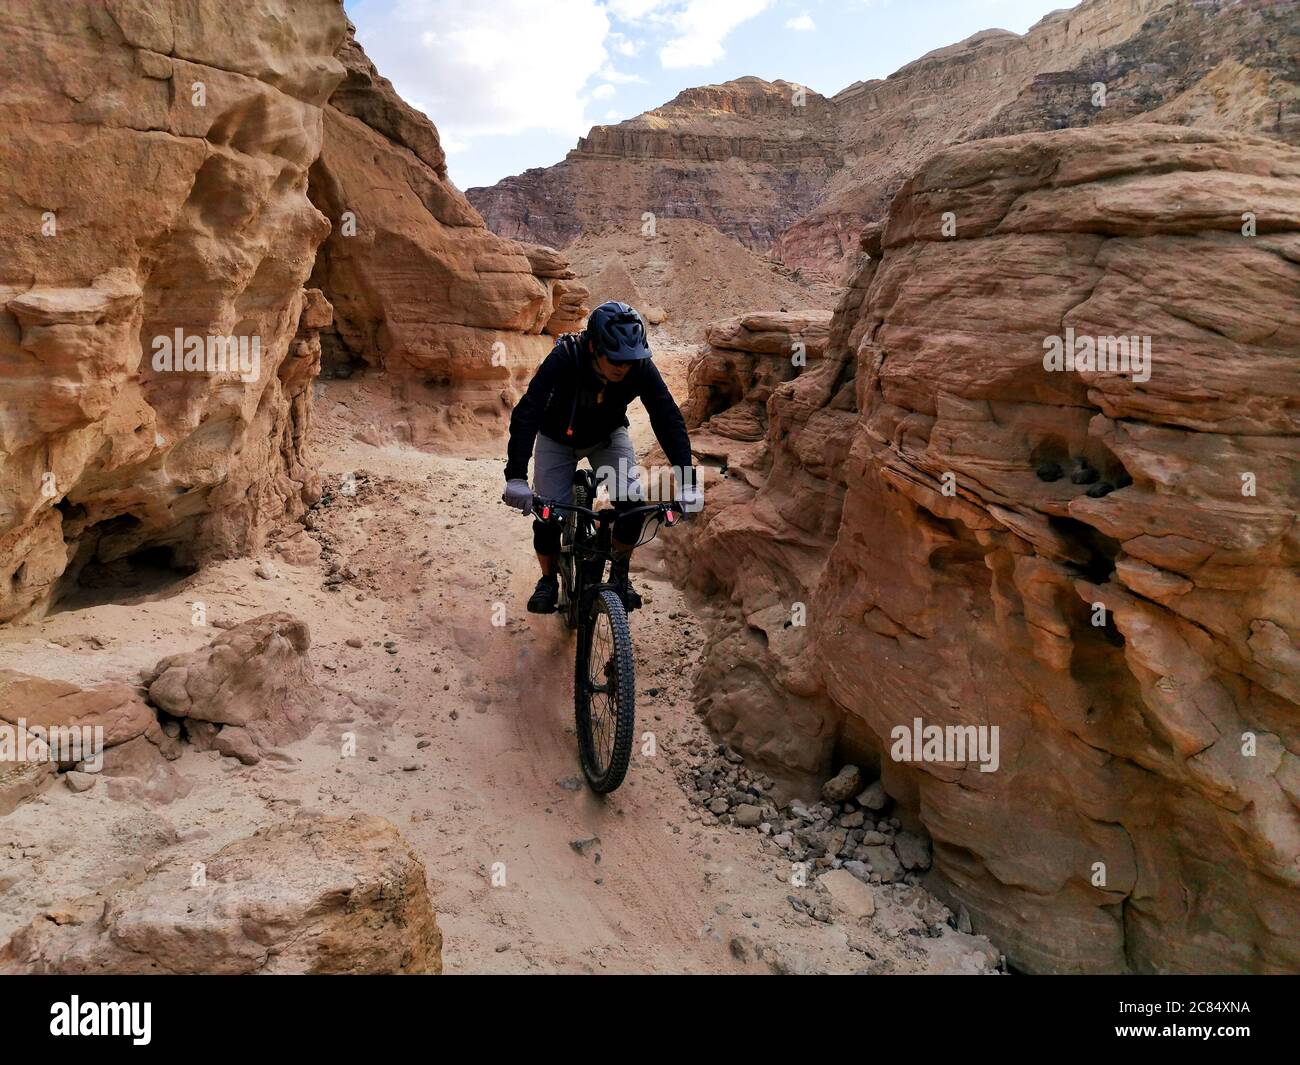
[(452, 313), (130, 208), (156, 179), (1163, 743)]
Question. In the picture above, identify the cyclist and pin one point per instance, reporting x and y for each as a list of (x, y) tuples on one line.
[(576, 408)]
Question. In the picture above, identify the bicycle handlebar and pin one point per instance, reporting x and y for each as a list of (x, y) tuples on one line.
[(545, 509)]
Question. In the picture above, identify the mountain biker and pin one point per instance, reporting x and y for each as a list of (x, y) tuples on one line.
[(575, 408)]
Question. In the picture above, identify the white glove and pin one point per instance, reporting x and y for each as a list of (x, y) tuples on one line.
[(691, 497), (518, 495)]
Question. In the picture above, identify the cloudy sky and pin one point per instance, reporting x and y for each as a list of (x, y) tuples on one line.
[(512, 84)]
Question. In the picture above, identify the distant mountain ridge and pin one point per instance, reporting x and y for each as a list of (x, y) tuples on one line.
[(787, 170)]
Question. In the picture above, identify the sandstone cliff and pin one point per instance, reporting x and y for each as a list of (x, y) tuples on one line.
[(926, 522), (157, 343), (155, 185), (749, 157), (453, 314)]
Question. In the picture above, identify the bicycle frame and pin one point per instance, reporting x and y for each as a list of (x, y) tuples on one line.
[(596, 547)]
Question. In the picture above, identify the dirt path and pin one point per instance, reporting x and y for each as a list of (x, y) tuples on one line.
[(464, 731)]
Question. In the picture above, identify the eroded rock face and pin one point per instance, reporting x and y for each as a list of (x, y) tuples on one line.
[(25, 766), (741, 156), (316, 895), (452, 313), (746, 358), (155, 182), (1100, 563)]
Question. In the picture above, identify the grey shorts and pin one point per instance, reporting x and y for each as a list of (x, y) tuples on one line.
[(614, 463)]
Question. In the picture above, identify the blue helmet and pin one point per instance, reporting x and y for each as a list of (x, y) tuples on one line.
[(617, 332)]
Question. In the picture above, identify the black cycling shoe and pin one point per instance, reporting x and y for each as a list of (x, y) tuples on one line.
[(545, 596), (618, 577)]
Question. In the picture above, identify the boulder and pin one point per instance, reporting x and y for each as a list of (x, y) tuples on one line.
[(235, 742), (256, 676), (849, 895), (884, 862), (874, 798), (842, 786), (325, 895), (139, 771), (913, 851), (112, 706)]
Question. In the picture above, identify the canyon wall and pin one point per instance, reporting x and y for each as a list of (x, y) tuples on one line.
[(801, 181), (453, 315), (157, 201), (1099, 562), (155, 181)]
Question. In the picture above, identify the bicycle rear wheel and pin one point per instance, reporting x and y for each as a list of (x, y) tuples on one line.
[(604, 694)]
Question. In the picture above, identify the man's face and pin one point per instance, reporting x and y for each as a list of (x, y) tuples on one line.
[(612, 371)]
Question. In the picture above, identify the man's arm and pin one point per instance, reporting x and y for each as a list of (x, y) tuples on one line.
[(667, 421), (526, 418)]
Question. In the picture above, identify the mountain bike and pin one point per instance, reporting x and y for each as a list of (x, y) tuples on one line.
[(604, 676)]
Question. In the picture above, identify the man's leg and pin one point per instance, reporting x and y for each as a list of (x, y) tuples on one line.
[(616, 467), (553, 467)]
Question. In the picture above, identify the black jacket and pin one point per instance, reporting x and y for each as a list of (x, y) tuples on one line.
[(561, 404)]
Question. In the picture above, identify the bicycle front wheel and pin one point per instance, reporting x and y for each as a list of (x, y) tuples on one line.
[(604, 694)]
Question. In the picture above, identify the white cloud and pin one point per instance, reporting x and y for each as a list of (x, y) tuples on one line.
[(800, 22), (635, 10), (701, 26), (479, 69), (613, 115), (695, 29), (608, 73), (624, 46), (603, 92)]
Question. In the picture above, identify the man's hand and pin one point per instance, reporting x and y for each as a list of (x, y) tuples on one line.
[(691, 498), (518, 495)]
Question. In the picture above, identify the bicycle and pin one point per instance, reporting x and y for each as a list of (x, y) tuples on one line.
[(604, 674)]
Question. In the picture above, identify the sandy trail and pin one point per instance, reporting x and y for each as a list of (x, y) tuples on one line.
[(464, 736)]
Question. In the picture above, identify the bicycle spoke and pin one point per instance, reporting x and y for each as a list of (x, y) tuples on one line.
[(602, 682)]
